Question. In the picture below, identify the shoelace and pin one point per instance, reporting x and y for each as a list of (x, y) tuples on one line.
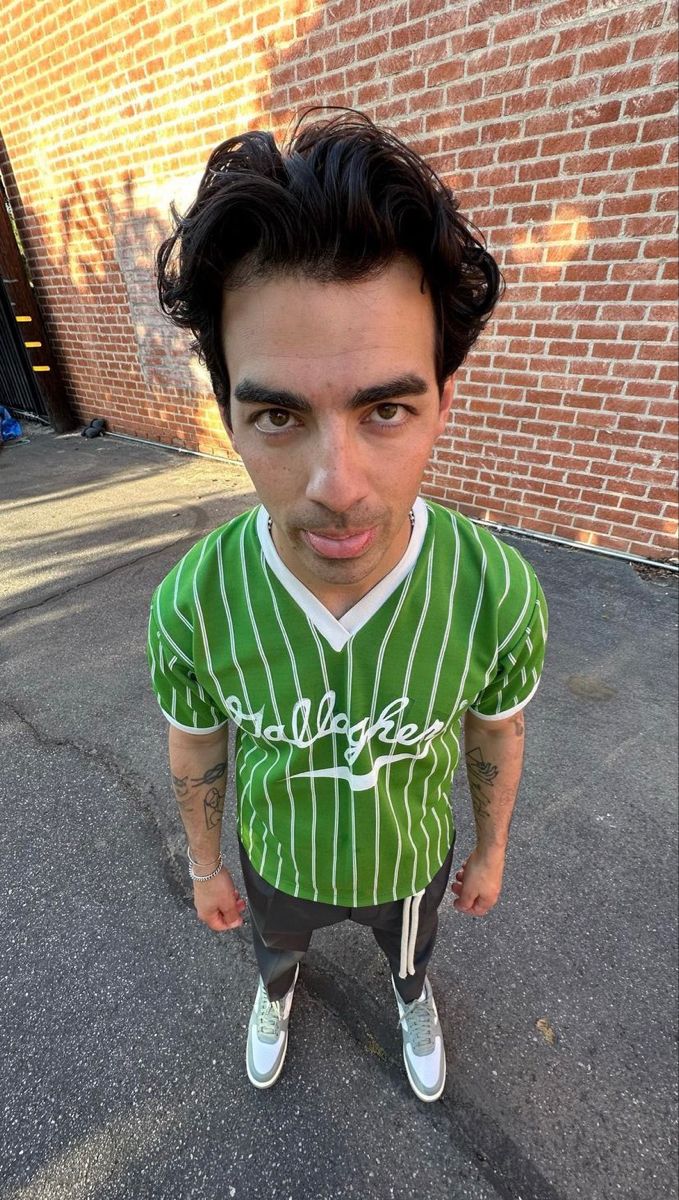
[(269, 1017), (418, 1018)]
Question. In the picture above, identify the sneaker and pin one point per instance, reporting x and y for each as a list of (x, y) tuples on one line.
[(268, 1036), (424, 1054)]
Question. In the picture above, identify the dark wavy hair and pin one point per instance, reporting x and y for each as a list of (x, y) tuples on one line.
[(338, 202)]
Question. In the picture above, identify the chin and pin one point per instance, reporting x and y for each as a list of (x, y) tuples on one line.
[(342, 570)]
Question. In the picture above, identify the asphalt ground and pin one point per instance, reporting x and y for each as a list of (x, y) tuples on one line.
[(123, 1019)]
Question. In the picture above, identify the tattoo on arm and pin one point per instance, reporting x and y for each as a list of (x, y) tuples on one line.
[(181, 791), (214, 807), (481, 771), (213, 801), (212, 773), (481, 803), (481, 774)]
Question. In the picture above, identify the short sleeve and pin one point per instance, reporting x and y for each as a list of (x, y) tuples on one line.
[(181, 698), (519, 666)]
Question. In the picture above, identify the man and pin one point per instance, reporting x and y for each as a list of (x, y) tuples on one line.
[(347, 628)]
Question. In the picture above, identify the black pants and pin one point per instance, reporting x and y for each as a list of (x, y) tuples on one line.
[(282, 926)]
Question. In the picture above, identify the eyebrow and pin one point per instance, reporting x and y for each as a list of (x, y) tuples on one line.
[(249, 391)]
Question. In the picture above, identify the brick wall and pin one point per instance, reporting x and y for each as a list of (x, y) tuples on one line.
[(554, 122)]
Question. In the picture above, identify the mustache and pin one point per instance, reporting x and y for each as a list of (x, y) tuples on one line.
[(338, 522)]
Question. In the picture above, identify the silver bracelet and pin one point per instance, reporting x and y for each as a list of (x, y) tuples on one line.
[(203, 878)]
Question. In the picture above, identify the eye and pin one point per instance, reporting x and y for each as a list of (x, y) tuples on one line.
[(389, 414), (274, 420)]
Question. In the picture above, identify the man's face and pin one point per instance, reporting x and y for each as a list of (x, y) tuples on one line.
[(334, 411)]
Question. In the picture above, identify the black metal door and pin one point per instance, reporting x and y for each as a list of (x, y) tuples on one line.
[(30, 378), (19, 391)]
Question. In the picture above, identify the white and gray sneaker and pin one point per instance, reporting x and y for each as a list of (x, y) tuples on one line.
[(268, 1036), (423, 1051)]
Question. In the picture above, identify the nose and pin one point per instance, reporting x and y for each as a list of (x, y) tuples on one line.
[(335, 477)]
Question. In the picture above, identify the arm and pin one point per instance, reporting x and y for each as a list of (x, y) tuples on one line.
[(199, 773), (494, 754)]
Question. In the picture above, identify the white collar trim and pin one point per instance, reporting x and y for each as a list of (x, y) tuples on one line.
[(338, 631)]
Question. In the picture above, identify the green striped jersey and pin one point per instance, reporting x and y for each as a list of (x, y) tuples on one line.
[(347, 731)]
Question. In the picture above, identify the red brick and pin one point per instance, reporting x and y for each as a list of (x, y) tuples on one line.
[(576, 36), (662, 409), (646, 16), (655, 45), (530, 51), (344, 56), (661, 248), (596, 114), (527, 100), (561, 67), (406, 36), (493, 58), (483, 10), (613, 135), (363, 73), (613, 54), (465, 41), (613, 352), (606, 184), (654, 391), (306, 68), (649, 105), (562, 143), (562, 13), (586, 164), (659, 129), (627, 80), (640, 202), (647, 521), (650, 333), (615, 251), (639, 227), (517, 28)]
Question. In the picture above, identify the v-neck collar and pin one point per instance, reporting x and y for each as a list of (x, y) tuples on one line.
[(338, 631)]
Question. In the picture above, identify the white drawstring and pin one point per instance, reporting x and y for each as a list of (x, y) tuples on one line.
[(409, 928)]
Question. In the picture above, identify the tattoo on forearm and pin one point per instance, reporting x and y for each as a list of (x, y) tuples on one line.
[(212, 773), (481, 774), (481, 803), (181, 791), (187, 791), (478, 769), (214, 808)]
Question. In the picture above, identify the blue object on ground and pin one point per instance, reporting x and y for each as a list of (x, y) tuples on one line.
[(9, 427)]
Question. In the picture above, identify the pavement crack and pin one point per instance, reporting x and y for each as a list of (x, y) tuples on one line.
[(139, 791), (82, 583)]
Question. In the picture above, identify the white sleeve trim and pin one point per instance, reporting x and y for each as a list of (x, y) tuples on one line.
[(191, 728), (509, 712)]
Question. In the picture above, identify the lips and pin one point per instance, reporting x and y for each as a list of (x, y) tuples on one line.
[(339, 545)]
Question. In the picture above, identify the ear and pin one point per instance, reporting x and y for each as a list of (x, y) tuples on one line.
[(445, 404), (226, 422)]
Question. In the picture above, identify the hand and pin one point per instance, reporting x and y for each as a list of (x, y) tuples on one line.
[(218, 902), (478, 883)]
